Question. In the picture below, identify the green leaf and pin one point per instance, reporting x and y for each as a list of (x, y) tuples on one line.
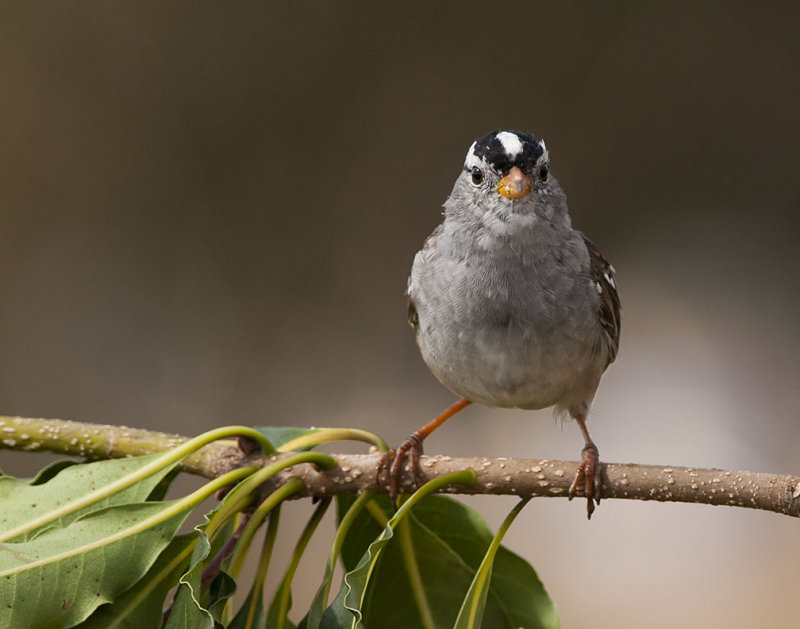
[(190, 607), (62, 575), (58, 576), (186, 611), (251, 614), (142, 605), (337, 616), (357, 580), (28, 508), (49, 471), (160, 491), (220, 590), (63, 509), (363, 529), (446, 538)]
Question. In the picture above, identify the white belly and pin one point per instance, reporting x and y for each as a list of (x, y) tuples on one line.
[(509, 368)]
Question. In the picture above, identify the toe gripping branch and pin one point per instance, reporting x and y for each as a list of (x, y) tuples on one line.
[(411, 448), (589, 475), (588, 470)]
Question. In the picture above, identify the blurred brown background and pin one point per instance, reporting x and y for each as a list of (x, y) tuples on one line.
[(209, 213)]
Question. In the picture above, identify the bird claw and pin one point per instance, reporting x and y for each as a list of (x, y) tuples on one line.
[(411, 448), (588, 474)]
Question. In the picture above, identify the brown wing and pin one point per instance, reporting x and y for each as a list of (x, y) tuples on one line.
[(609, 312), (413, 319)]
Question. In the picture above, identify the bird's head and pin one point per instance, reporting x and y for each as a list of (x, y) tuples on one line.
[(507, 173), (510, 164)]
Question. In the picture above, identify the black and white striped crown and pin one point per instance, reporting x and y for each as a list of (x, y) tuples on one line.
[(504, 149)]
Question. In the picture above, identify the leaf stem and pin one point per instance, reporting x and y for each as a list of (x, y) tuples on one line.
[(471, 613), (325, 435), (282, 598), (263, 564), (242, 495), (461, 477), (414, 576), (320, 602), (292, 486)]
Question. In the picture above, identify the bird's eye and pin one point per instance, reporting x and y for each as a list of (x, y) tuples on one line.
[(477, 175), (544, 171)]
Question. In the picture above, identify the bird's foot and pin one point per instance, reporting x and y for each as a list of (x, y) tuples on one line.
[(589, 475), (411, 449)]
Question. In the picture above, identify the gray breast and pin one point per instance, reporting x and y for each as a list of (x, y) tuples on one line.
[(511, 327)]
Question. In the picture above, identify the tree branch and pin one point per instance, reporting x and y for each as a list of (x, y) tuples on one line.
[(104, 441), (357, 472)]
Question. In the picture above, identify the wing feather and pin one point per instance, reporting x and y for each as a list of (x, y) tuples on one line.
[(609, 309)]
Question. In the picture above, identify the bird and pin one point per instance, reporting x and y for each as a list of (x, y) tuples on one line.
[(512, 307)]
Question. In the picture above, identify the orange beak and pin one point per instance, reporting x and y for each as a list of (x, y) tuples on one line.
[(515, 185)]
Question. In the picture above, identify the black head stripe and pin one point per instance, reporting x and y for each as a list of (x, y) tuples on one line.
[(490, 148)]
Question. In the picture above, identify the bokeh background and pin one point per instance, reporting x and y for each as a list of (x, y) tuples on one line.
[(208, 214)]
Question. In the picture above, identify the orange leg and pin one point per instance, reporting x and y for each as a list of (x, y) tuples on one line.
[(588, 470), (413, 446)]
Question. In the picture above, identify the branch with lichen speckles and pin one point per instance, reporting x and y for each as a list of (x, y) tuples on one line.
[(104, 441), (357, 472)]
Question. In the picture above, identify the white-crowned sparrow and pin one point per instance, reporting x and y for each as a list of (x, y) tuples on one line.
[(511, 306)]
